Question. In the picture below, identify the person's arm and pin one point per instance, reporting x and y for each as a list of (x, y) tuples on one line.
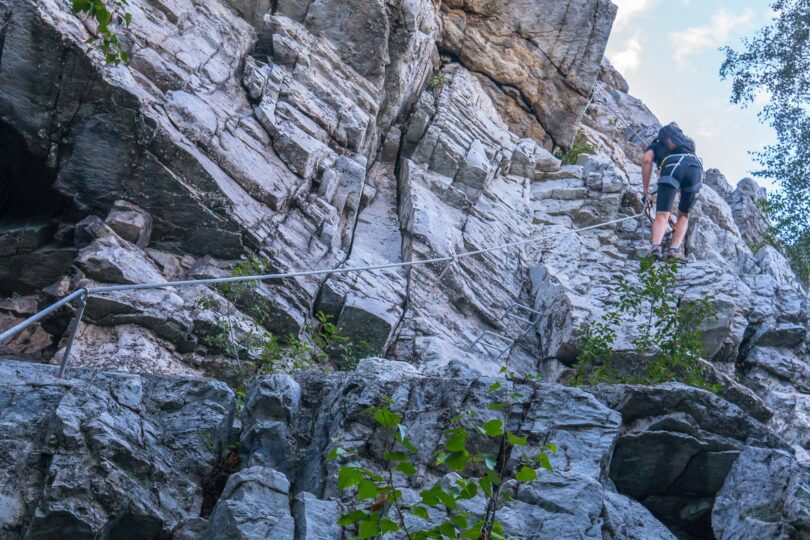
[(646, 170)]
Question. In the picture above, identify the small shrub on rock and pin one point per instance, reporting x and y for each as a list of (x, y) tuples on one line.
[(479, 456), (666, 330)]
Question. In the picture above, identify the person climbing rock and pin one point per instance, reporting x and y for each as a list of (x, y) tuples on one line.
[(679, 170)]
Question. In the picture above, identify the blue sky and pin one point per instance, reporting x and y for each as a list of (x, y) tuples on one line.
[(668, 51)]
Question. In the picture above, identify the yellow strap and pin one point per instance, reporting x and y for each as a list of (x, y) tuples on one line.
[(661, 167)]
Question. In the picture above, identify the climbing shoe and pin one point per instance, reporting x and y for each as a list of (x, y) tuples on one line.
[(676, 254), (655, 251)]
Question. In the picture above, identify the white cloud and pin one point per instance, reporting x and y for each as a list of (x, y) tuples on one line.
[(627, 57), (697, 38), (630, 9)]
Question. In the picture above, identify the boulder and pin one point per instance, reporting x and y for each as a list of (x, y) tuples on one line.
[(330, 408), (766, 495), (110, 259), (676, 448), (123, 451), (130, 222), (315, 519), (255, 504)]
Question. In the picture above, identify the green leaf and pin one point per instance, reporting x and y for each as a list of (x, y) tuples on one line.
[(493, 428), (468, 490), (388, 526), (447, 529), (494, 387), (368, 529), (408, 445), (337, 452), (526, 474), (490, 461), (420, 512), (551, 447), (406, 468), (486, 486), (349, 475), (366, 490), (517, 396), (497, 407), (515, 440), (352, 518), (458, 461), (542, 459), (474, 532), (459, 521), (395, 456), (386, 418), (456, 441), (402, 434)]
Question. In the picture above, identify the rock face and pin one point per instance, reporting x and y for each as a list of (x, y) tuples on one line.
[(293, 135), (765, 496), (536, 48), (101, 453), (676, 448)]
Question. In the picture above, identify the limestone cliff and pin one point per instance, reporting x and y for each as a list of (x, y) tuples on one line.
[(314, 134)]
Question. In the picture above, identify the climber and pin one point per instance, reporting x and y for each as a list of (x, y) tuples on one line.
[(679, 170)]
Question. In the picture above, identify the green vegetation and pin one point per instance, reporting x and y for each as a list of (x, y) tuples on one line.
[(580, 146), (481, 451), (776, 61), (666, 329), (107, 14), (258, 352), (437, 81)]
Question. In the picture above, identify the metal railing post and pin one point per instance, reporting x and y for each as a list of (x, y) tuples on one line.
[(72, 329)]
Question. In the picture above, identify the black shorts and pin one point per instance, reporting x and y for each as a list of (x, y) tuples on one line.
[(666, 196), (686, 177)]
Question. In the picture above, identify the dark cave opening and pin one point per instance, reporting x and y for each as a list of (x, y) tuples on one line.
[(26, 183), (36, 221)]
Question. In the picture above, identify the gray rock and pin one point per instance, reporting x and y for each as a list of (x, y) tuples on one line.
[(611, 77), (533, 53), (676, 449), (123, 450), (112, 260), (255, 504), (315, 519), (569, 501), (766, 495), (625, 519), (271, 405), (131, 223)]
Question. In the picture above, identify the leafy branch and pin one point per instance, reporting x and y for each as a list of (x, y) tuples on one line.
[(474, 471), (107, 14)]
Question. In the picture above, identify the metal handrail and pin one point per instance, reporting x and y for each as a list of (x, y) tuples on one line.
[(83, 293)]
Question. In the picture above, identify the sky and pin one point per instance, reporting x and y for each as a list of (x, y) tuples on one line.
[(668, 52)]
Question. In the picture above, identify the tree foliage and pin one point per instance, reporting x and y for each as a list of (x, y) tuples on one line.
[(108, 15), (776, 60)]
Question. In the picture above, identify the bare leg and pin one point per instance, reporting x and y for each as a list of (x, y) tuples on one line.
[(680, 230), (659, 227)]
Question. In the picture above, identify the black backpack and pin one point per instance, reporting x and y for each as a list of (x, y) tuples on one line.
[(674, 134)]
